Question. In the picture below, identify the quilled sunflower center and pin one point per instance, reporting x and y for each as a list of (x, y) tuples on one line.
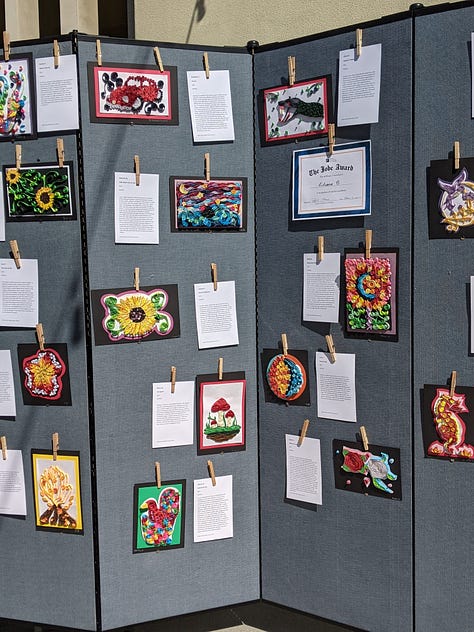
[(44, 197), (137, 314)]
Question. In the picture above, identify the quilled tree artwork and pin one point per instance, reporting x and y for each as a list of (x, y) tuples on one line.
[(375, 472), (451, 208), (448, 423), (39, 191), (45, 375), (371, 294), (17, 115), (57, 493), (158, 521)]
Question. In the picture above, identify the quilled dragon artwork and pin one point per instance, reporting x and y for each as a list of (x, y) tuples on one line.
[(450, 427), (14, 97), (456, 202)]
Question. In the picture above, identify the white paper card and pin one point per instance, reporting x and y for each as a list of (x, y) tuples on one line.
[(336, 386), (210, 102), (303, 470), (18, 293), (173, 414), (57, 94), (213, 511), (216, 314), (321, 287), (12, 484), (136, 208), (2, 211), (7, 389), (359, 86)]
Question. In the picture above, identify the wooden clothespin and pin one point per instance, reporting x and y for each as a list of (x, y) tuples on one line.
[(205, 61), (320, 247), (136, 162), (207, 166), (173, 378), (55, 440), (284, 344), (98, 50), (303, 432), (56, 53), (156, 50), (16, 253), (3, 443), (40, 336), (358, 42), (291, 70), (331, 135), (452, 387), (368, 243), (136, 279), (60, 151), (158, 474), (17, 156), (214, 275), (331, 347), (6, 45), (210, 467), (220, 368), (363, 436), (457, 153)]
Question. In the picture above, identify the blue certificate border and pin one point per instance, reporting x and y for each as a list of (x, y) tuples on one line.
[(365, 144)]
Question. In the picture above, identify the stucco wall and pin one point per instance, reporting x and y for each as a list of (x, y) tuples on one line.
[(233, 23)]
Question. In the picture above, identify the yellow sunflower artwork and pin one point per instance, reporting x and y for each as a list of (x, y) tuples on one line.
[(135, 315)]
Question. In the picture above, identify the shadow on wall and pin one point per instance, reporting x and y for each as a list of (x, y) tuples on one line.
[(199, 12)]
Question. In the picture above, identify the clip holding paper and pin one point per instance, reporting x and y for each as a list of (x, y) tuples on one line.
[(457, 153), (291, 70), (3, 443), (220, 368), (363, 436), (452, 387), (320, 247), (17, 156), (207, 166), (156, 50), (136, 279), (368, 243), (60, 151), (358, 42), (284, 344), (56, 53), (6, 46), (55, 441), (173, 378), (158, 474), (15, 252), (210, 467), (205, 61), (331, 136), (136, 162), (214, 275), (303, 432), (331, 347), (40, 336)]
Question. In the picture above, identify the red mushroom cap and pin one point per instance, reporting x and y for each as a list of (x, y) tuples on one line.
[(221, 404), (230, 413)]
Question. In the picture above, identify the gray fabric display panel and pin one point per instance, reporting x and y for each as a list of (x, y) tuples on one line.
[(348, 560), (443, 498), (49, 576), (135, 588)]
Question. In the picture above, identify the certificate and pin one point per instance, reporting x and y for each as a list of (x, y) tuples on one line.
[(332, 186)]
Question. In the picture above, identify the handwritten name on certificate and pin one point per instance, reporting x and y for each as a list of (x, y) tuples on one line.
[(332, 186)]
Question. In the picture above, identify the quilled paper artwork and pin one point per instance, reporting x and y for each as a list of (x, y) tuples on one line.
[(39, 192), (43, 374), (456, 202), (16, 119), (450, 426), (221, 422), (286, 377)]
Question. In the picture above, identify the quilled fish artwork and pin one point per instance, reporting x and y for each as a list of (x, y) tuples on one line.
[(375, 472), (215, 205), (44, 374), (57, 491), (298, 110), (39, 192), (125, 315), (286, 376), (141, 93), (370, 287), (17, 116), (451, 212), (158, 516), (448, 425)]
